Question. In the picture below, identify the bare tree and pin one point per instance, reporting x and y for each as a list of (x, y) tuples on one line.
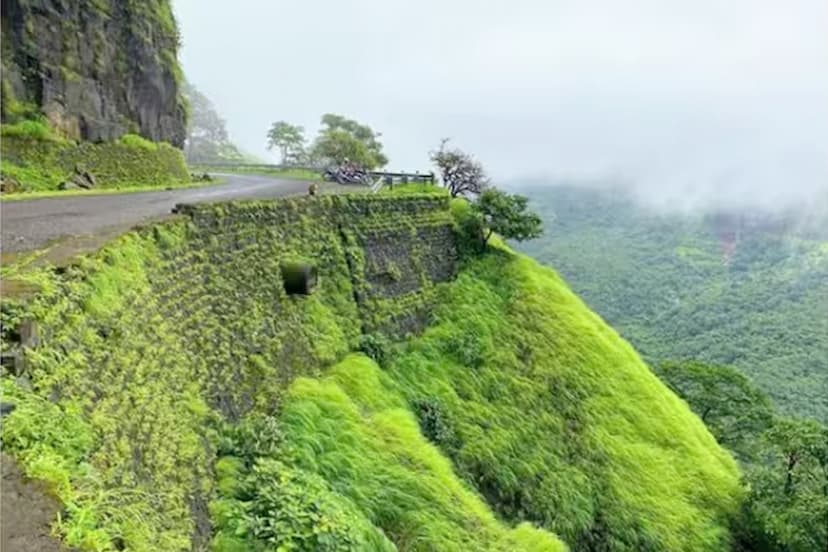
[(461, 173)]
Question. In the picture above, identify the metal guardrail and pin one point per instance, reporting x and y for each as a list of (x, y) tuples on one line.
[(390, 178)]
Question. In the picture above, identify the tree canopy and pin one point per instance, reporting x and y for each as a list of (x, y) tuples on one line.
[(341, 139), (729, 404), (508, 215), (785, 460), (289, 140)]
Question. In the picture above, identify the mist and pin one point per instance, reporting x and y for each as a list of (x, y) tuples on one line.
[(689, 103)]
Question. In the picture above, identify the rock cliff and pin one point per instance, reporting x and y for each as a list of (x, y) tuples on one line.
[(97, 69)]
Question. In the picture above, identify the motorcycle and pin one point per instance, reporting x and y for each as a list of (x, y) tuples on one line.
[(347, 175)]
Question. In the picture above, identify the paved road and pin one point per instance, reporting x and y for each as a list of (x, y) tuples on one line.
[(30, 224)]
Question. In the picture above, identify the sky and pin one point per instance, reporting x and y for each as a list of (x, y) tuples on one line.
[(685, 101)]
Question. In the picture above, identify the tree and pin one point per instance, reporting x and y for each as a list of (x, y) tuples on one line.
[(789, 486), (341, 138), (336, 146), (785, 460), (207, 137), (461, 173), (735, 411), (507, 215), (290, 139)]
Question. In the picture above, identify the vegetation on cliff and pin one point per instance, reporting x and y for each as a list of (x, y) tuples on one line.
[(539, 407), (518, 420)]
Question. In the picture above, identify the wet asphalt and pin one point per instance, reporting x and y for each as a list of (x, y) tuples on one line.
[(31, 224)]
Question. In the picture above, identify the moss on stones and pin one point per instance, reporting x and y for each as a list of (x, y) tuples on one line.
[(40, 161)]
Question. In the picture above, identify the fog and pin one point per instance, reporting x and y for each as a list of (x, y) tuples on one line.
[(689, 102)]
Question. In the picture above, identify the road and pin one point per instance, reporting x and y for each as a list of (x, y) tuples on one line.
[(30, 224)]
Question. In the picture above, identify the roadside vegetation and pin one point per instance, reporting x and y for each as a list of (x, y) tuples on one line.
[(35, 159), (264, 170)]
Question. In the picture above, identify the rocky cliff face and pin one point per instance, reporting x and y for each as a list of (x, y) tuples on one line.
[(96, 69)]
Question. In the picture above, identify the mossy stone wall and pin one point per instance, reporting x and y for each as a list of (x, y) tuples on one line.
[(150, 345)]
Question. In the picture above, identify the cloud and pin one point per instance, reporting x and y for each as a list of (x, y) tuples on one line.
[(679, 98)]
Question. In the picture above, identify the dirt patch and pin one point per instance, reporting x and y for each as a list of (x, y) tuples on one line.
[(26, 513)]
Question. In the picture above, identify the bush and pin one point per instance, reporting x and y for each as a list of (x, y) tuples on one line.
[(254, 437), (434, 423), (508, 215), (289, 509), (33, 129), (468, 226), (376, 347), (135, 141)]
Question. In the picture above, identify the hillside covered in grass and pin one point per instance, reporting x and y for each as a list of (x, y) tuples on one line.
[(179, 398), (520, 403), (738, 288)]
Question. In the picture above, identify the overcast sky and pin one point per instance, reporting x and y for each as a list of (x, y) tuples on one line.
[(705, 98)]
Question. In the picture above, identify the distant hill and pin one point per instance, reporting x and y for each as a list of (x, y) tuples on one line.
[(739, 288)]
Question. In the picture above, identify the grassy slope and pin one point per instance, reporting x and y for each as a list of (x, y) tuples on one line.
[(24, 196), (356, 432), (541, 407), (291, 174), (39, 161), (539, 411), (662, 282)]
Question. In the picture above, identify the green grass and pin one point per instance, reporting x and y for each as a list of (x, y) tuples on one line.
[(355, 437), (517, 421), (406, 189), (139, 142), (557, 420), (32, 129), (537, 412), (292, 174), (41, 164), (43, 194)]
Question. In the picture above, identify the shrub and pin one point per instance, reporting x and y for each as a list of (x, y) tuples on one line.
[(376, 347), (290, 509), (135, 141), (32, 129), (468, 226), (434, 422), (254, 437)]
